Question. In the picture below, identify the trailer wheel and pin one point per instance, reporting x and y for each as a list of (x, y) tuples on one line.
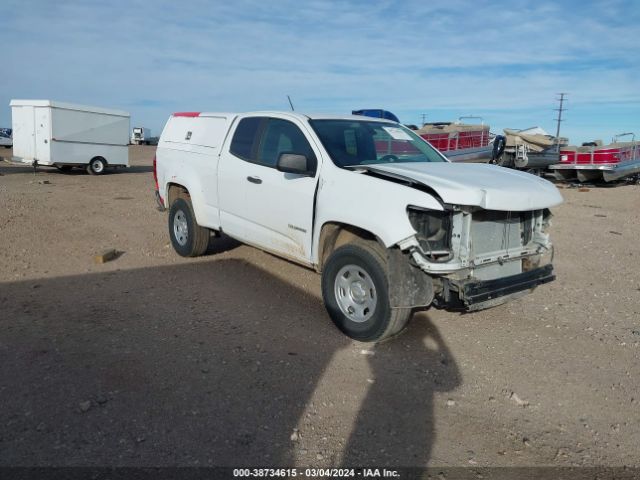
[(187, 237), (97, 166), (356, 294), (64, 168)]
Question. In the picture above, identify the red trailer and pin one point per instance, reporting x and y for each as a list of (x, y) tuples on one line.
[(593, 161), (460, 142)]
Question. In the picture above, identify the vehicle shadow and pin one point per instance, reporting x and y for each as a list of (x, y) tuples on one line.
[(11, 168), (202, 364), (7, 168), (132, 169), (395, 424), (221, 244), (208, 363)]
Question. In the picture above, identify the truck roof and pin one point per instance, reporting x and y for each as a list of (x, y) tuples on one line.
[(67, 106), (299, 115)]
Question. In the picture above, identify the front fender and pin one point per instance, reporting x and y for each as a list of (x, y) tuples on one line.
[(376, 205)]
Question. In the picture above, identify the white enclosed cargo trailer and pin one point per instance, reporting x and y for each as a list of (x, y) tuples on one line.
[(66, 135)]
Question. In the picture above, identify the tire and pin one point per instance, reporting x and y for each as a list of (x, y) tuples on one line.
[(97, 166), (187, 237), (64, 168), (371, 317)]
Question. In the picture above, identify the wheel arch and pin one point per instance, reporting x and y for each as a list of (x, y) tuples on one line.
[(177, 189), (409, 287), (335, 234)]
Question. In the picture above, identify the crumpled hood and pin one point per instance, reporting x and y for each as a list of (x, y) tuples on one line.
[(488, 186)]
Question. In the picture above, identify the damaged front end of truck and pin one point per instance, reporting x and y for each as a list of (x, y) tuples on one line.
[(477, 258)]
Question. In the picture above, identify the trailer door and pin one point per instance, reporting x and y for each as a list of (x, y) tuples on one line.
[(23, 132), (42, 117)]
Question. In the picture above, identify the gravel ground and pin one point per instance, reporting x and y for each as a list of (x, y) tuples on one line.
[(230, 359)]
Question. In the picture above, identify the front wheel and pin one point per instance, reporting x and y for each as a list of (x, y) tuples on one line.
[(187, 237), (356, 294)]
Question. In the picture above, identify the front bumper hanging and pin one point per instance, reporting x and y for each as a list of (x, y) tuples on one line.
[(473, 295)]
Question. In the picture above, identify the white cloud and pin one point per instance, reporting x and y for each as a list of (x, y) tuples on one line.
[(459, 56)]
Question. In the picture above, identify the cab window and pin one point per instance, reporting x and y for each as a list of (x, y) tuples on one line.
[(281, 136), (244, 141)]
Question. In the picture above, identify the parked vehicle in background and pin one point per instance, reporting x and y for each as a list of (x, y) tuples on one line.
[(463, 142), (594, 161), (65, 135), (458, 141), (388, 221), (6, 139), (376, 113), (142, 136), (531, 149)]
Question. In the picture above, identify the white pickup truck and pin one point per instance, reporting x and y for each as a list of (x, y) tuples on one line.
[(390, 223)]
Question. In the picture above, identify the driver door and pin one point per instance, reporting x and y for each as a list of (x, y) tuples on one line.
[(279, 209)]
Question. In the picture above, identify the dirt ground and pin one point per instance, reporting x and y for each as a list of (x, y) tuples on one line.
[(230, 359)]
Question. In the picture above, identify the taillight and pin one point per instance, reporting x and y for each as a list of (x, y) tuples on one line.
[(159, 198), (155, 173), (155, 179)]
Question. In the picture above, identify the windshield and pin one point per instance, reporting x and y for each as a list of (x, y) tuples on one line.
[(360, 142)]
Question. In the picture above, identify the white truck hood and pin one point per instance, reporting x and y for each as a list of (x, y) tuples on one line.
[(488, 186)]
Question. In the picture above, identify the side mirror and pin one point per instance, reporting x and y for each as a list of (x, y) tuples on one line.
[(294, 163)]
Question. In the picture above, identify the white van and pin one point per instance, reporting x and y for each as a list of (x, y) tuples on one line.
[(66, 135)]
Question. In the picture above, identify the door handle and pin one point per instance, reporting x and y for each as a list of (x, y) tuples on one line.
[(254, 180)]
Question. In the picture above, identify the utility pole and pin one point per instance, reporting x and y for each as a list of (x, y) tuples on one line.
[(559, 120), (424, 118)]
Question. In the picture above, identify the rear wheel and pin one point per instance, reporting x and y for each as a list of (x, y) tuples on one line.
[(187, 237), (356, 293), (97, 166)]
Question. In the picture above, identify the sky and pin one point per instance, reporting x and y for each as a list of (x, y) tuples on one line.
[(502, 60)]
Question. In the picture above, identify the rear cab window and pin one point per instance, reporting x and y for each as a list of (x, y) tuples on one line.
[(244, 141)]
